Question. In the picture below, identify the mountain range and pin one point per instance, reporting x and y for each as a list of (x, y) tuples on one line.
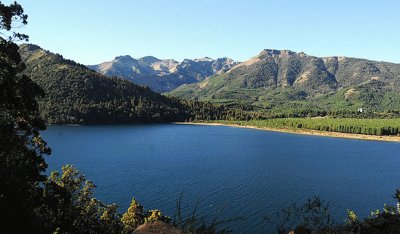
[(76, 94), (163, 75), (280, 80)]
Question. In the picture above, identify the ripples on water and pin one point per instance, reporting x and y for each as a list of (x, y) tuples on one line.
[(239, 172)]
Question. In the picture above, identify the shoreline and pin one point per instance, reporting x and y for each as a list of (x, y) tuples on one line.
[(306, 132)]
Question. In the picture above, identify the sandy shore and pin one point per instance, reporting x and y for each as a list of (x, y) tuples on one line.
[(306, 132)]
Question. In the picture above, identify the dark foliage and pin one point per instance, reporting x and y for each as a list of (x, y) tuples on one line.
[(21, 147), (312, 215), (77, 95)]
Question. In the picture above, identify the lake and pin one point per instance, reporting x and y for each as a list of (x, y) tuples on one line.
[(226, 171)]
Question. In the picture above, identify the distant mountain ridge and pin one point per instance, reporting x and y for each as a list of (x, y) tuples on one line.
[(163, 75), (279, 79), (315, 74)]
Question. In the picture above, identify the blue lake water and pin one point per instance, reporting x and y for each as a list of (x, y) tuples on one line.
[(229, 172)]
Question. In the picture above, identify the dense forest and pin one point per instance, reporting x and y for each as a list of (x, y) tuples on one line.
[(75, 94), (78, 95), (282, 83), (378, 127)]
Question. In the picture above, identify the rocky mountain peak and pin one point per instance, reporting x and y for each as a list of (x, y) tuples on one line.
[(204, 59), (222, 65), (166, 74), (276, 53), (124, 58), (149, 59)]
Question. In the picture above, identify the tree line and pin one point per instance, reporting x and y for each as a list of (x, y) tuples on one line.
[(78, 95), (379, 127)]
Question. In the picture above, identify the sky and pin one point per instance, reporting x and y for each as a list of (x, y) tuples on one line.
[(94, 31)]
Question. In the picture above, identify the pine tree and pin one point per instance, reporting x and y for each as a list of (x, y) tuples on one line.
[(133, 217)]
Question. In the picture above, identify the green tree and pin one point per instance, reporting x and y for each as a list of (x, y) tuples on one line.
[(21, 147), (156, 215), (70, 207), (133, 217)]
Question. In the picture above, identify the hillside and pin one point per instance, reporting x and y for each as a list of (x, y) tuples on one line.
[(286, 82), (163, 75), (76, 94)]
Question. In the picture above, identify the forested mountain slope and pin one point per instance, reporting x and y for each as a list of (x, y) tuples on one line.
[(76, 94), (287, 82)]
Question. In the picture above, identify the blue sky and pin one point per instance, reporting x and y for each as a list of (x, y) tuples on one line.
[(93, 31)]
